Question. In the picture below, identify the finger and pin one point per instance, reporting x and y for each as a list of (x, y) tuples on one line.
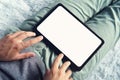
[(32, 41), (57, 61), (24, 55), (17, 33), (24, 35), (71, 79), (65, 66), (48, 71), (68, 73), (14, 34)]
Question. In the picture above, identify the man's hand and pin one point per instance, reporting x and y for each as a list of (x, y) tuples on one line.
[(12, 44), (59, 73)]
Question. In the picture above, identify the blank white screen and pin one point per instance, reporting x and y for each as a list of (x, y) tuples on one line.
[(69, 35)]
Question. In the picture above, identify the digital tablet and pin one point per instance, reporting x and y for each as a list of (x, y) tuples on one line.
[(68, 34)]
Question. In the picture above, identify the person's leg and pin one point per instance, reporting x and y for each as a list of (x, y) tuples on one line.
[(105, 27), (83, 9), (27, 69)]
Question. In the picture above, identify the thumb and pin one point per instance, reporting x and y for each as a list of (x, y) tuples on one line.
[(25, 55)]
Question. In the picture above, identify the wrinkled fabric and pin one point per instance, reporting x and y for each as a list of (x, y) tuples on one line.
[(102, 16), (82, 9), (104, 21), (27, 69)]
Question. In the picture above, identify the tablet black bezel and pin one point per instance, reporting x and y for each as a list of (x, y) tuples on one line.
[(73, 66)]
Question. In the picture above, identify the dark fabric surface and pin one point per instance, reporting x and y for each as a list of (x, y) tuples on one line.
[(27, 69)]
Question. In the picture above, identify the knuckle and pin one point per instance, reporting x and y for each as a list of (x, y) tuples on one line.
[(71, 79), (60, 72), (31, 42), (27, 44), (57, 60), (13, 41), (25, 32), (23, 35), (9, 36), (17, 46), (69, 71), (53, 71)]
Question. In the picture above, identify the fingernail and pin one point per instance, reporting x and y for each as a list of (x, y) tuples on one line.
[(62, 55), (41, 37), (69, 62), (33, 54), (34, 34)]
